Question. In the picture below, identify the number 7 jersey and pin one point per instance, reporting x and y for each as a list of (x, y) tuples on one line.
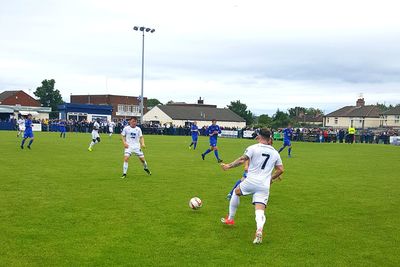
[(263, 159)]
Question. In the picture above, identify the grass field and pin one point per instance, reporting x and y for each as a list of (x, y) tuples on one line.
[(60, 205)]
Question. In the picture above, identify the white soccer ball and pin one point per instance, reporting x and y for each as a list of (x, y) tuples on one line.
[(195, 203)]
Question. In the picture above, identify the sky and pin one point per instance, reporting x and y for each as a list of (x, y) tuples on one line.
[(268, 54)]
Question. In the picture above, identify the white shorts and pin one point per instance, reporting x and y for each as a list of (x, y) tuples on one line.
[(95, 135), (21, 128), (260, 192), (110, 129), (133, 150)]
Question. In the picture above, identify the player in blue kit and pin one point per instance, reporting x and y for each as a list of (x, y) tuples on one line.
[(28, 132), (62, 128), (194, 131), (287, 137), (212, 131)]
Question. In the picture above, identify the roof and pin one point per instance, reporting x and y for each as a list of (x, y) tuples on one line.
[(356, 111), (309, 118), (199, 112), (6, 94), (86, 108), (392, 111)]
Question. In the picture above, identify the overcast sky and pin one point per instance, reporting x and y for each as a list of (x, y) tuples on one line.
[(267, 54)]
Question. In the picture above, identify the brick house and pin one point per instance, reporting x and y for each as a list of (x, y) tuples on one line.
[(14, 98), (123, 106)]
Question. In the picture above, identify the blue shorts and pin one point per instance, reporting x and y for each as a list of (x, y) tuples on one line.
[(286, 143), (213, 143), (28, 134), (195, 137), (62, 129)]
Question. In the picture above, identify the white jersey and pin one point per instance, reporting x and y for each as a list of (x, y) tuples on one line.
[(21, 124), (132, 136), (96, 127), (263, 159), (111, 126)]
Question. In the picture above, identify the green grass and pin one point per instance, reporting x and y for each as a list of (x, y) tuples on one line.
[(60, 205)]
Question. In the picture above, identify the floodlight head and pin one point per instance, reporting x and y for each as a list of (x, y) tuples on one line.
[(141, 28), (136, 28), (152, 30), (148, 29)]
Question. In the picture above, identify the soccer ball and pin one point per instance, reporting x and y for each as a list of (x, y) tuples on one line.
[(195, 203)]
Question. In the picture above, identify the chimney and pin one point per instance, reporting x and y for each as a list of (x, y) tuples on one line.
[(200, 101), (360, 102)]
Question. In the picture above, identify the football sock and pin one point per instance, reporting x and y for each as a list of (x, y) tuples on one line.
[(207, 151), (260, 219), (216, 154), (280, 149), (145, 164), (195, 144), (92, 144), (125, 169), (23, 142), (233, 204), (191, 144), (289, 151), (236, 184), (30, 142)]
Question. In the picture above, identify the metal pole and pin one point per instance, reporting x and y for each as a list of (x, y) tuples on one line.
[(141, 94)]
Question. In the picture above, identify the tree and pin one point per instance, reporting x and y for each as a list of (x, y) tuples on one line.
[(152, 102), (280, 119), (296, 111), (48, 96), (265, 120), (241, 110)]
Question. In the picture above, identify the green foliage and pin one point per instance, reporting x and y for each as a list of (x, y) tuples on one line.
[(241, 110), (265, 120), (298, 111), (280, 119), (384, 107), (48, 96), (64, 206), (152, 102)]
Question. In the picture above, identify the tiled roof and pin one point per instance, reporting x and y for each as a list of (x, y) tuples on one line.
[(356, 111), (6, 94), (199, 112), (393, 111)]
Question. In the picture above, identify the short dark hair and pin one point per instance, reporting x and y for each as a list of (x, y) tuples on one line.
[(133, 118), (264, 132)]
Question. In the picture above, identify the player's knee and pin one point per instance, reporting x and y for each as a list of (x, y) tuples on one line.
[(98, 139), (94, 140), (238, 192)]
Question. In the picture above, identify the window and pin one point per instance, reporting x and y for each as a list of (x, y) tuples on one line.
[(336, 120), (128, 110), (397, 119)]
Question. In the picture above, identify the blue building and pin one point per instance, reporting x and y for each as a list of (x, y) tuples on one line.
[(79, 112)]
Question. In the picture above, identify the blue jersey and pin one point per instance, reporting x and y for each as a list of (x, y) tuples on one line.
[(28, 126), (194, 130), (287, 134), (62, 126), (210, 131)]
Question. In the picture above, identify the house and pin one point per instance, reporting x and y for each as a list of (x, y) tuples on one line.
[(390, 118), (359, 116), (182, 114), (122, 106), (310, 119), (14, 103)]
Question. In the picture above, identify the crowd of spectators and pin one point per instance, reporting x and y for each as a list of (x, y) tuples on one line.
[(321, 135)]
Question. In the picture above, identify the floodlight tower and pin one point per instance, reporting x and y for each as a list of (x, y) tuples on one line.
[(143, 30)]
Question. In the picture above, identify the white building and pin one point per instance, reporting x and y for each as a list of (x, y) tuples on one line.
[(182, 114), (359, 116), (391, 118)]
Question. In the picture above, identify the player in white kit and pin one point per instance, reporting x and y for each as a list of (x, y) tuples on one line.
[(111, 126), (264, 159), (21, 126), (133, 141), (95, 135)]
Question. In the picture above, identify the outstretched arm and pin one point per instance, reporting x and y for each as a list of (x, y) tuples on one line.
[(235, 163), (278, 171)]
